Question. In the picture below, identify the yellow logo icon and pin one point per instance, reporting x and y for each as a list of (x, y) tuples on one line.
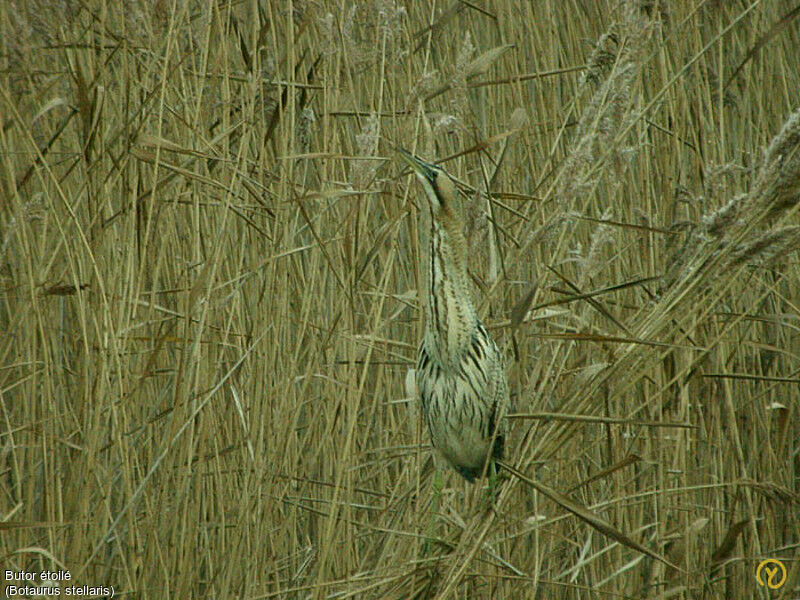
[(775, 572)]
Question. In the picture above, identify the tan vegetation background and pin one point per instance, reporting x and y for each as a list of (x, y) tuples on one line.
[(208, 275)]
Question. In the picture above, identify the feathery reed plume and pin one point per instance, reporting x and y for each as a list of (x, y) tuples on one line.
[(366, 145), (614, 65), (365, 24), (602, 58), (777, 188), (458, 82), (592, 261), (613, 68), (305, 124), (742, 231)]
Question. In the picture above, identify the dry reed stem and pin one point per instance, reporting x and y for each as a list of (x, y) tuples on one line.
[(209, 274)]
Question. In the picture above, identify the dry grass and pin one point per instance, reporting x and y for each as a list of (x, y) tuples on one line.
[(209, 274)]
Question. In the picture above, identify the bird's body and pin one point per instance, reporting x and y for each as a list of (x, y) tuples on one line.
[(460, 373), (462, 403)]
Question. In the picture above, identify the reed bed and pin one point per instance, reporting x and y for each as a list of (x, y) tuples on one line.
[(208, 293)]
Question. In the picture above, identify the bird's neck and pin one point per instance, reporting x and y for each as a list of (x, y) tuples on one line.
[(450, 316)]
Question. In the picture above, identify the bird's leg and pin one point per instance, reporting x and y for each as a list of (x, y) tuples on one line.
[(438, 486), (495, 478)]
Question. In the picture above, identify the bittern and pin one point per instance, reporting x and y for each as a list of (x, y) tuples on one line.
[(461, 379)]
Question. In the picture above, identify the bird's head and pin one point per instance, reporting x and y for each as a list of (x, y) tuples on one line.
[(439, 188)]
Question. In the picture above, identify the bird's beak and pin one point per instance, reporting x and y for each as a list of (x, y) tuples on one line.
[(420, 167)]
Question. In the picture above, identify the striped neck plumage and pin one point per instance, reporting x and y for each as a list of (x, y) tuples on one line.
[(450, 316)]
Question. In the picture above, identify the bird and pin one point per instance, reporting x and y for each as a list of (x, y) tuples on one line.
[(460, 375)]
